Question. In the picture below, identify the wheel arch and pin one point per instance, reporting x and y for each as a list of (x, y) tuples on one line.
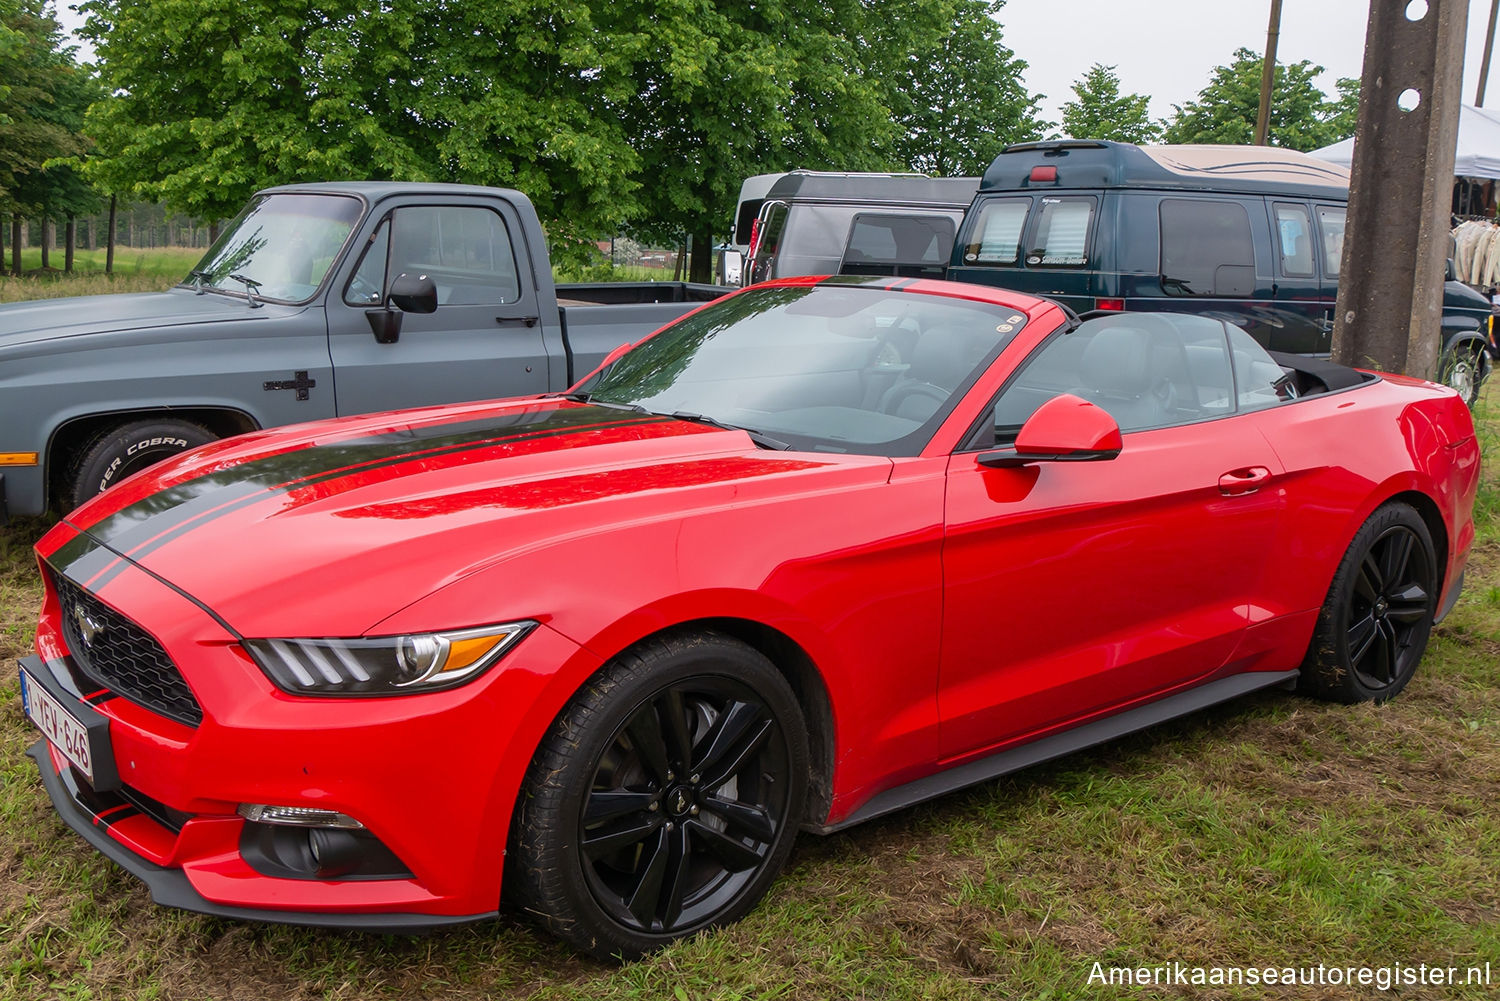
[(78, 432)]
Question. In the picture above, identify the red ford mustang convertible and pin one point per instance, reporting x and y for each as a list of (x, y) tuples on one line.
[(815, 552)]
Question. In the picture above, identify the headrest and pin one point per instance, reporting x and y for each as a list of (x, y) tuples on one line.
[(1118, 361)]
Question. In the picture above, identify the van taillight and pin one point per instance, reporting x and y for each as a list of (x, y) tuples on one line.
[(754, 237), (1114, 305), (1044, 173)]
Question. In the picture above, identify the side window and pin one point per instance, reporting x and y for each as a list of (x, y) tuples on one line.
[(996, 236), (766, 237), (465, 249), (1146, 370), (908, 244), (1331, 223), (1259, 381), (1062, 233), (1294, 234), (1206, 248), (367, 285)]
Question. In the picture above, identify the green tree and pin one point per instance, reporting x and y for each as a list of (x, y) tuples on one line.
[(1343, 111), (214, 99), (722, 91), (956, 94), (1302, 117), (1099, 111), (40, 112)]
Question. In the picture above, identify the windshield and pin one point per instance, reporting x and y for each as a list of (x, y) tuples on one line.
[(835, 367), (284, 244)]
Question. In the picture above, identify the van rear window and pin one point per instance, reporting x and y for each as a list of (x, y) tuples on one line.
[(1062, 233), (996, 236), (914, 245)]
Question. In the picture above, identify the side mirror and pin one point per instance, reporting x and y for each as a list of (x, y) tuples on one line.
[(1064, 429), (1450, 273), (414, 294)]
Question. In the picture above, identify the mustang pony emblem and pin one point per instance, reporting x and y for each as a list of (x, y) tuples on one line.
[(87, 627)]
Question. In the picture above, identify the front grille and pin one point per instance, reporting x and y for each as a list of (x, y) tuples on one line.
[(123, 657)]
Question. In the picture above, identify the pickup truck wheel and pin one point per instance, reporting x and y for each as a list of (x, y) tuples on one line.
[(128, 449), (663, 800)]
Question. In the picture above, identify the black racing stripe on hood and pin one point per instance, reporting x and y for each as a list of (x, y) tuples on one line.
[(153, 521), (85, 562)]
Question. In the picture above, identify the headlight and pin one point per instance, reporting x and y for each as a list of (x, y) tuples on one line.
[(388, 665)]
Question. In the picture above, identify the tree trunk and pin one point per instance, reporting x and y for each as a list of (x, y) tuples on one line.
[(15, 244), (70, 238), (703, 257), (213, 232), (109, 251), (46, 243), (93, 245)]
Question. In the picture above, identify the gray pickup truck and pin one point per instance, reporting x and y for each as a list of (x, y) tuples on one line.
[(318, 300)]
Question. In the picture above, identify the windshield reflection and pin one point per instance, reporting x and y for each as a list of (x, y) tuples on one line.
[(834, 367), (284, 244)]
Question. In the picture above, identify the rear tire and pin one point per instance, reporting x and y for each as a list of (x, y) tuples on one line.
[(1375, 622), (128, 449), (664, 799)]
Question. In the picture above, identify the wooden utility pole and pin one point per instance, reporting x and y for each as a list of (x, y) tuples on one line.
[(1489, 50), (1268, 75), (1389, 311)]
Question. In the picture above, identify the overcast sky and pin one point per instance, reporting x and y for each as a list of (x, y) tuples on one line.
[(1167, 48)]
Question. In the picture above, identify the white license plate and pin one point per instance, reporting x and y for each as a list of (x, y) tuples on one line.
[(58, 725)]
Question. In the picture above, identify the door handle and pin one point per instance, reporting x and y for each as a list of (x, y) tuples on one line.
[(529, 321), (1238, 482)]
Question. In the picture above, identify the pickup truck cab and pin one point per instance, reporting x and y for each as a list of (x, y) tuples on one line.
[(318, 300)]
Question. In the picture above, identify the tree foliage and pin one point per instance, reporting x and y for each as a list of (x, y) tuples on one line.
[(215, 99), (955, 91), (1099, 111), (1302, 116), (722, 91), (41, 108)]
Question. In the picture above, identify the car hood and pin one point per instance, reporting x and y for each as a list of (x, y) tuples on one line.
[(52, 319), (328, 528)]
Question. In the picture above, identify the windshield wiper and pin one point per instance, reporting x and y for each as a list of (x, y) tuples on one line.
[(761, 439), (250, 286)]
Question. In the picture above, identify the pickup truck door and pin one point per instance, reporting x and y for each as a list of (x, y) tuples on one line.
[(483, 342)]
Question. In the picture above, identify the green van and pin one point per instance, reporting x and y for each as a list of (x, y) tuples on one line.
[(1247, 234)]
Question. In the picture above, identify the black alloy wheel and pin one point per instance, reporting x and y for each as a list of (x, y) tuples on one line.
[(1374, 626), (664, 799), (684, 806)]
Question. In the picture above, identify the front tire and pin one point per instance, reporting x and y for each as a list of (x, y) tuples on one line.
[(1375, 622), (664, 800), (1463, 371), (128, 449)]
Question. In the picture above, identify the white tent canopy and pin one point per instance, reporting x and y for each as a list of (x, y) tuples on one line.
[(1478, 145)]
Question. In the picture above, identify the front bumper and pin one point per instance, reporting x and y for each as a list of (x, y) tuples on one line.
[(433, 777), (171, 888)]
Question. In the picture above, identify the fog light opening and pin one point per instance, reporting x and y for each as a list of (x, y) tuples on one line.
[(335, 852)]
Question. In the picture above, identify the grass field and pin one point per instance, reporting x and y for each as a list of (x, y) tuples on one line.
[(1271, 831), (135, 271)]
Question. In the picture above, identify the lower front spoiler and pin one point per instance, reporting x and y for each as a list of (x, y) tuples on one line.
[(171, 888)]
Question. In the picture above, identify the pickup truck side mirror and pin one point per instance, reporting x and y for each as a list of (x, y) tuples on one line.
[(1064, 429), (408, 294)]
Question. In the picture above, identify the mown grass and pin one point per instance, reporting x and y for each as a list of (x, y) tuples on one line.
[(135, 271), (1271, 831)]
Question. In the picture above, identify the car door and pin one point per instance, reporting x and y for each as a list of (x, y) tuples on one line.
[(483, 341), (1072, 588)]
